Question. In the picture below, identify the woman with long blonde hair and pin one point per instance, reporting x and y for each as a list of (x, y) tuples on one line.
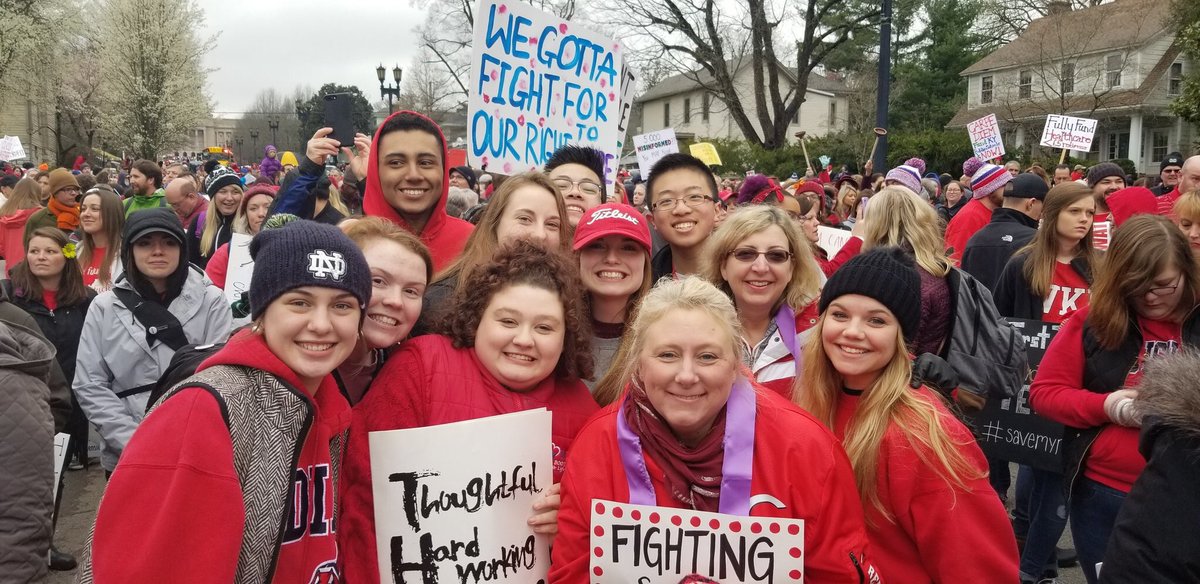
[(225, 191), (931, 514), (761, 261)]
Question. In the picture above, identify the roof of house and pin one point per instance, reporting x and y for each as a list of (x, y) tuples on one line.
[(693, 80), (1105, 27)]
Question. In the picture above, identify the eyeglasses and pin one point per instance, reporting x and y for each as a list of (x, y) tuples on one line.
[(586, 186), (1172, 171), (694, 200), (1161, 291), (749, 254), (75, 190)]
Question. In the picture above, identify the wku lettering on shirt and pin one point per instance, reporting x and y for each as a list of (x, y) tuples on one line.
[(1062, 301)]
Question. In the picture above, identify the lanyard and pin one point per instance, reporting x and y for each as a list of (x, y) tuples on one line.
[(735, 468)]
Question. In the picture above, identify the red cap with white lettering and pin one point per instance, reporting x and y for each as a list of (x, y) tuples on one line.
[(612, 219)]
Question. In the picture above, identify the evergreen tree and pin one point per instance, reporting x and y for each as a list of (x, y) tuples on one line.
[(929, 90), (1185, 14)]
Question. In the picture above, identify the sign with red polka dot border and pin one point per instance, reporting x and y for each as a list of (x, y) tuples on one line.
[(644, 544)]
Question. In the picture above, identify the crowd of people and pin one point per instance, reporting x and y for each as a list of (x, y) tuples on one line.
[(704, 320)]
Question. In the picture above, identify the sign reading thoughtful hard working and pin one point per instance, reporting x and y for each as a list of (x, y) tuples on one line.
[(1009, 429), (985, 138), (639, 543), (1069, 133), (452, 501), (653, 146), (538, 82)]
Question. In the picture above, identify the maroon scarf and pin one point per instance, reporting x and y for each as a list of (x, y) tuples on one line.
[(693, 475)]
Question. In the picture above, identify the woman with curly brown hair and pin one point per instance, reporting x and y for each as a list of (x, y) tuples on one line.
[(517, 339)]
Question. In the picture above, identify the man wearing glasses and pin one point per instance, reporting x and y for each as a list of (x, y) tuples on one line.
[(1188, 181), (578, 173), (1170, 170), (682, 197), (62, 210)]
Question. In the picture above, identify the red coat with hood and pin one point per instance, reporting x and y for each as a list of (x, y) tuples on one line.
[(445, 235), (426, 383), (12, 236), (173, 510)]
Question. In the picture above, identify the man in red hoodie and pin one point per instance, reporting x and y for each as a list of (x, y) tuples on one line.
[(406, 181)]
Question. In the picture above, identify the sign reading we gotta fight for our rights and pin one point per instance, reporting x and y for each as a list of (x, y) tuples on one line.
[(538, 83)]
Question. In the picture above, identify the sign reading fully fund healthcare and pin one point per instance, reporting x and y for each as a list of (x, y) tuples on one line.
[(1069, 133), (538, 83)]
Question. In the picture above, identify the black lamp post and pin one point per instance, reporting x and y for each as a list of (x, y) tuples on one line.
[(254, 141), (273, 123), (238, 141), (389, 91), (885, 80)]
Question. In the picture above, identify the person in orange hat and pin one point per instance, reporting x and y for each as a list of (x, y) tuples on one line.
[(62, 210)]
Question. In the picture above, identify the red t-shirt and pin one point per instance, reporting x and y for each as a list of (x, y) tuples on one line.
[(50, 299), (1101, 231), (1114, 459), (1068, 292), (92, 270)]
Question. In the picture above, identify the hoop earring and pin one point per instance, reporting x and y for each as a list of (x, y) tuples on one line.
[(256, 328)]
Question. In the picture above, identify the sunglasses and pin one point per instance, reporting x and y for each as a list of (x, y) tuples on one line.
[(774, 256)]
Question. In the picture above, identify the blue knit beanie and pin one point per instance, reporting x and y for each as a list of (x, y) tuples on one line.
[(305, 253)]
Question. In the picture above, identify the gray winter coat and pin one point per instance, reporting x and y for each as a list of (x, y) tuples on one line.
[(26, 453), (114, 357)]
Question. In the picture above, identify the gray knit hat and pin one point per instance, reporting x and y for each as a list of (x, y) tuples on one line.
[(1102, 171), (305, 253)]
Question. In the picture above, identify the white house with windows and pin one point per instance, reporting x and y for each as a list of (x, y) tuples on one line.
[(1115, 62), (685, 102)]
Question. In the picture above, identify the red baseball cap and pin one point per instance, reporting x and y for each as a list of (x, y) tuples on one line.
[(612, 219)]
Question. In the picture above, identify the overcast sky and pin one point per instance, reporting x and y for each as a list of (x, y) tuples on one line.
[(285, 43)]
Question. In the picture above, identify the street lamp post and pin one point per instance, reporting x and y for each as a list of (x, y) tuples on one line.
[(254, 141), (389, 91), (885, 78), (238, 141), (273, 123)]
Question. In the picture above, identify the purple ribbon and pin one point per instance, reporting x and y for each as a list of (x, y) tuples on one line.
[(785, 321), (736, 467)]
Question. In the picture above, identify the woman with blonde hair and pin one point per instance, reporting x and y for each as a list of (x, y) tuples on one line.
[(759, 258), (897, 217), (26, 199), (1187, 214), (694, 432), (931, 514), (525, 206), (101, 220), (225, 191), (251, 214), (846, 204), (1142, 306)]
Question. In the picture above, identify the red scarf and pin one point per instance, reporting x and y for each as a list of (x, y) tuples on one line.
[(68, 217), (692, 474)]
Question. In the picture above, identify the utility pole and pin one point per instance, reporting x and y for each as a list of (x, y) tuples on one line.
[(885, 82)]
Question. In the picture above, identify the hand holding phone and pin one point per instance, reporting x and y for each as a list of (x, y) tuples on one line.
[(339, 109)]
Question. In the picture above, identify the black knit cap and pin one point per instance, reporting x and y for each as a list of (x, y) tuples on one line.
[(1172, 159), (1102, 171), (887, 275), (305, 253)]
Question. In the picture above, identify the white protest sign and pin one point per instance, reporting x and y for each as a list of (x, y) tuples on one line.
[(638, 543), (11, 149), (239, 271), (653, 146), (452, 501), (985, 138), (61, 441), (831, 239), (538, 82), (1069, 132)]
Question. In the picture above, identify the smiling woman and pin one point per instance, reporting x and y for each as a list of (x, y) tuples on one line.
[(516, 341)]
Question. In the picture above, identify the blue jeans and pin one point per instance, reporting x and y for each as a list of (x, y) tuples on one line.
[(1046, 513), (1094, 509), (998, 476)]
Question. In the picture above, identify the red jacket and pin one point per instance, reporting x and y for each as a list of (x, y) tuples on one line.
[(426, 383), (173, 510), (445, 235), (12, 236), (849, 250), (969, 220), (940, 533), (1166, 203), (797, 461)]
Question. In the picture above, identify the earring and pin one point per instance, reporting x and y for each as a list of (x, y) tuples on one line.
[(256, 328)]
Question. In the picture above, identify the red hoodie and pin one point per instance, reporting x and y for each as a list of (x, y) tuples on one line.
[(973, 216), (12, 236), (445, 235), (426, 383), (173, 510)]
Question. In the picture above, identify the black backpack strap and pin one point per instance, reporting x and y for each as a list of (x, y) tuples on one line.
[(159, 322)]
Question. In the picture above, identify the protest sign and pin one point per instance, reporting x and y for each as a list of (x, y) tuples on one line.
[(985, 138), (452, 501), (11, 149), (640, 543), (653, 146), (1069, 133), (538, 83), (61, 441), (706, 152), (239, 272), (1008, 429), (831, 239)]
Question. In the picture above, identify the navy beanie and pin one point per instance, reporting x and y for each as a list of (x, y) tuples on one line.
[(305, 253), (887, 275)]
